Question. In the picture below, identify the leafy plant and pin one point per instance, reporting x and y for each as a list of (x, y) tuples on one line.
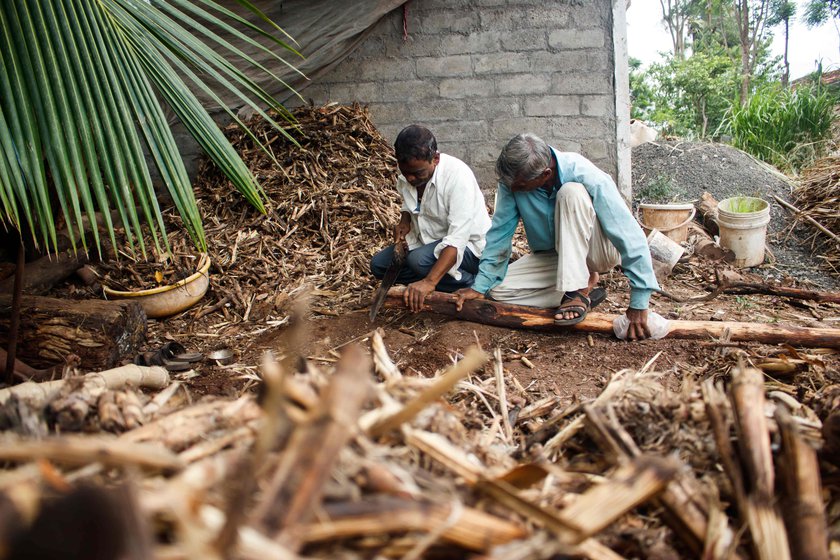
[(82, 87), (788, 129), (661, 189)]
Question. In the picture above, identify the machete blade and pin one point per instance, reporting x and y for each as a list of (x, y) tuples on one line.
[(388, 280)]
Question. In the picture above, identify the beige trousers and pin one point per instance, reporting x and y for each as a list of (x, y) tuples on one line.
[(540, 279)]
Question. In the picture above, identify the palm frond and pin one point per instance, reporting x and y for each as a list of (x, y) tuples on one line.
[(80, 84)]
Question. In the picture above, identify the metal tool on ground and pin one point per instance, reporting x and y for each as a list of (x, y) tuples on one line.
[(388, 280)]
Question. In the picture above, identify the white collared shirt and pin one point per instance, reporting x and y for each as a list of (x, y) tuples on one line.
[(452, 210)]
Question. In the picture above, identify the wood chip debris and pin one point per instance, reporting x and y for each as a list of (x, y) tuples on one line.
[(362, 461)]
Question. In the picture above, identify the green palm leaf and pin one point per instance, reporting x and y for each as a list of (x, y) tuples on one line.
[(80, 89)]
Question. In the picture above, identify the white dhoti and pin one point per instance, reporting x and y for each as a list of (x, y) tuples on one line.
[(541, 279)]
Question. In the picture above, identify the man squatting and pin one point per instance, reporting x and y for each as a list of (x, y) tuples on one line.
[(443, 220), (577, 226)]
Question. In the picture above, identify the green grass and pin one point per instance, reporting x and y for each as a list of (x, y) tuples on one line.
[(788, 129), (746, 204)]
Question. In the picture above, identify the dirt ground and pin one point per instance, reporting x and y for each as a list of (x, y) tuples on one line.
[(571, 365)]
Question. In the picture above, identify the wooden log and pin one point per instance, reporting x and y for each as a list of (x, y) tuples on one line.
[(314, 446), (100, 333), (765, 523), (153, 377), (707, 212), (490, 312), (44, 273), (804, 513)]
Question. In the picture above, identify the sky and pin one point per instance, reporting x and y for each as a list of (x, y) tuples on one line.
[(647, 36)]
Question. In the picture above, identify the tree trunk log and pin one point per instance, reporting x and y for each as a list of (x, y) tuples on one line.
[(499, 314), (41, 275), (99, 332)]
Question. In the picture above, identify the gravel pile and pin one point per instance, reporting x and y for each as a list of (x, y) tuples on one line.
[(687, 169)]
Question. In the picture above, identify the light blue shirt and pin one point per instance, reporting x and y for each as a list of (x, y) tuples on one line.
[(536, 209)]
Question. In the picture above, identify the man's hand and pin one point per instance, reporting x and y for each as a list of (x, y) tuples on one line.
[(638, 328), (416, 292), (465, 294), (401, 230)]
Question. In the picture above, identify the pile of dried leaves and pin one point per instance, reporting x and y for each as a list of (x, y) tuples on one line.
[(818, 197), (330, 205)]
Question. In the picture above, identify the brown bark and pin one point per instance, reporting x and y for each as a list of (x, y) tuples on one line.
[(313, 448), (100, 333), (799, 470), (781, 291), (707, 210), (765, 523), (491, 312), (41, 275)]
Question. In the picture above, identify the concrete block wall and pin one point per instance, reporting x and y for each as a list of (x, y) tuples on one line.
[(477, 72)]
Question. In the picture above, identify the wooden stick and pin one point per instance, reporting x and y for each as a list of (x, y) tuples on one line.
[(520, 316), (313, 448), (153, 377), (472, 529), (631, 485), (768, 530), (83, 450), (766, 289), (473, 359), (812, 221), (803, 504), (499, 370), (628, 488), (701, 524)]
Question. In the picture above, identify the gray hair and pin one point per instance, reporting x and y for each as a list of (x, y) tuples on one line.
[(524, 157)]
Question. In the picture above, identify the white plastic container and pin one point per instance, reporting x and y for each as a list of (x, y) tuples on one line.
[(658, 325), (743, 232), (664, 252)]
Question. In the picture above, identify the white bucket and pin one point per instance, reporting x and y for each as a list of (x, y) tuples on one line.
[(744, 232), (664, 253)]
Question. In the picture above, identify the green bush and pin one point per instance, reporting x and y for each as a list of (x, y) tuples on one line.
[(786, 128)]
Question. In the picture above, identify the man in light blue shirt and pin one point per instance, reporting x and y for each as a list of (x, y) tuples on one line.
[(577, 226)]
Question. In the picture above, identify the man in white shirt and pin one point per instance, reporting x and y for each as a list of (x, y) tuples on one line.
[(443, 221)]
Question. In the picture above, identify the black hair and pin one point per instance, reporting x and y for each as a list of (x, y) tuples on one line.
[(415, 142)]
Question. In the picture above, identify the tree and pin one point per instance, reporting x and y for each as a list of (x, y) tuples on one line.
[(81, 89), (782, 13), (817, 12), (753, 37), (694, 94), (642, 96), (675, 14)]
